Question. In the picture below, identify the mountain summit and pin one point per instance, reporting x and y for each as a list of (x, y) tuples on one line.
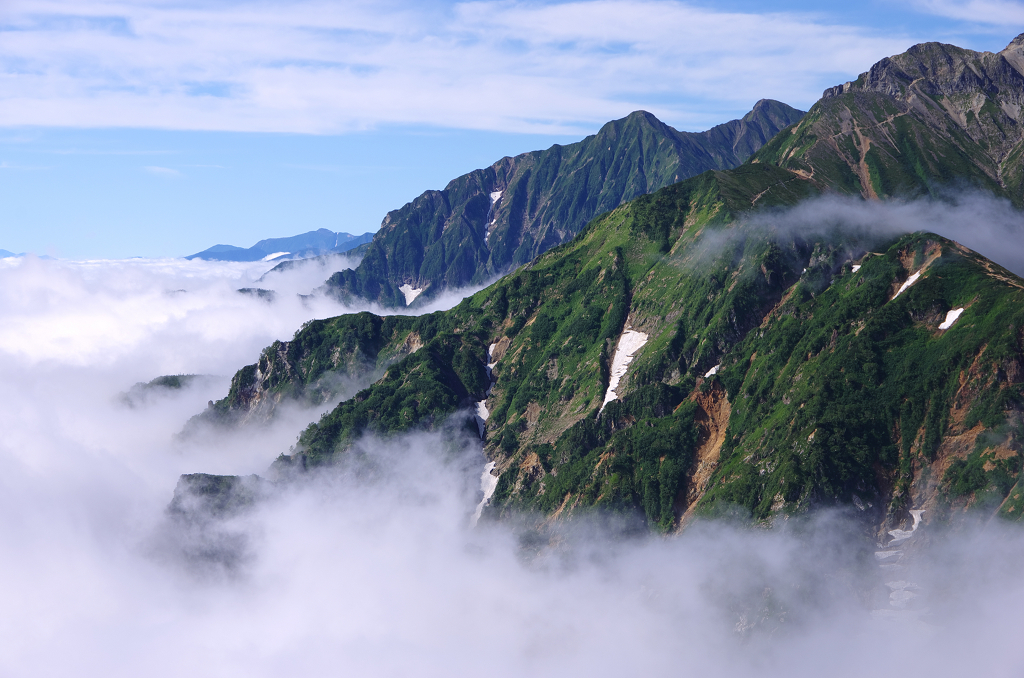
[(934, 115), (487, 222)]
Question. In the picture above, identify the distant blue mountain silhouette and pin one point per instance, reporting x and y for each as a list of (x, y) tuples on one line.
[(311, 244)]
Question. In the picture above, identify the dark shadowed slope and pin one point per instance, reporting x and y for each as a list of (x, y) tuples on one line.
[(487, 222)]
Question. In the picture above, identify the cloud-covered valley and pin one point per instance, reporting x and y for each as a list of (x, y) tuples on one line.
[(372, 569)]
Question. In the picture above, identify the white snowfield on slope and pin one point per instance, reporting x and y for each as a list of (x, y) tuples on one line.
[(951, 317), (410, 293), (910, 281), (630, 343)]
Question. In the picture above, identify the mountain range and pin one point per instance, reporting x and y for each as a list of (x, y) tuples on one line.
[(486, 223), (690, 351), (305, 245)]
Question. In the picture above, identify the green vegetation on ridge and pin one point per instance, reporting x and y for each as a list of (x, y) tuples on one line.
[(831, 388)]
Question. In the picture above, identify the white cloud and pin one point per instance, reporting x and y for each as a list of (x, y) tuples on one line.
[(337, 66), (61, 312), (998, 12)]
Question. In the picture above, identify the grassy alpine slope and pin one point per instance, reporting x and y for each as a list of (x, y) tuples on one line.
[(830, 390)]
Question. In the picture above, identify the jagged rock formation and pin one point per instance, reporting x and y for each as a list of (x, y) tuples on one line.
[(323, 360), (487, 222), (934, 116)]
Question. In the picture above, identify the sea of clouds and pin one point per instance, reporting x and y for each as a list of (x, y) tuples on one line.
[(373, 569)]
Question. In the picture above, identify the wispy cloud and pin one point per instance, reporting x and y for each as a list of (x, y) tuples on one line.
[(319, 66), (24, 168), (314, 168), (162, 171), (97, 151), (998, 12)]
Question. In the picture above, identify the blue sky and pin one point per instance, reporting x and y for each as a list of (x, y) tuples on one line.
[(160, 127)]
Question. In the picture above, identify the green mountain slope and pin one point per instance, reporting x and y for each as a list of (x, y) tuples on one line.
[(773, 370), (775, 378), (487, 222), (933, 116)]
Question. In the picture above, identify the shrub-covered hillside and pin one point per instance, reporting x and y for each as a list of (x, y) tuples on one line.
[(779, 371)]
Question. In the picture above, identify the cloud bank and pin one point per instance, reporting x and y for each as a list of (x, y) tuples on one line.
[(988, 225), (327, 67)]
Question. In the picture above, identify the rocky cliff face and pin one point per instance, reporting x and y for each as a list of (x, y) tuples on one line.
[(490, 221), (936, 116), (325, 359)]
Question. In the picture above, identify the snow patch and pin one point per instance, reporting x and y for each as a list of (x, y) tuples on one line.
[(910, 281), (495, 196), (899, 536), (482, 413), (856, 267), (491, 364), (275, 255), (712, 372), (481, 416), (951, 317), (488, 483), (630, 342), (410, 293)]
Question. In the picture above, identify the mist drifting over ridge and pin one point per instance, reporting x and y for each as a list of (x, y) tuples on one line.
[(376, 572), (986, 224)]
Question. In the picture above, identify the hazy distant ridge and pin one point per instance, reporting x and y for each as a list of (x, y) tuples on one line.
[(310, 244)]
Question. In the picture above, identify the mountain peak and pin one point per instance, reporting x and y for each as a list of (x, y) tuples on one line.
[(915, 120), (646, 115), (641, 117)]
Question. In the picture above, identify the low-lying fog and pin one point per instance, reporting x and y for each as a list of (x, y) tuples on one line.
[(375, 571)]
